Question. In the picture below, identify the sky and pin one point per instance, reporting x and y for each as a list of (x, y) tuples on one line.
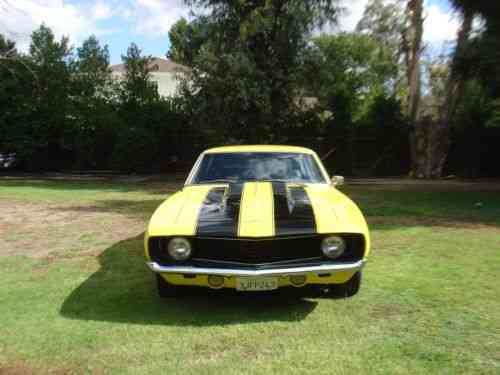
[(118, 23)]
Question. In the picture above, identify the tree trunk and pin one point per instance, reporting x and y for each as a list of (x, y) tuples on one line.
[(413, 47), (429, 138), (454, 90), (416, 30)]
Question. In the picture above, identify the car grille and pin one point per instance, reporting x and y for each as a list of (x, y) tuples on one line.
[(258, 251)]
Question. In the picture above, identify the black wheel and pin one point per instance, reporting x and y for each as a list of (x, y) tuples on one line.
[(165, 289), (347, 289)]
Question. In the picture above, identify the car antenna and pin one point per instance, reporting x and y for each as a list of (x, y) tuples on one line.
[(327, 155)]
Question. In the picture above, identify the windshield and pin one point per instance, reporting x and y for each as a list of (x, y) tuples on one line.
[(258, 166)]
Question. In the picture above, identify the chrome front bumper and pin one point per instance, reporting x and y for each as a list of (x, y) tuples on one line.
[(285, 271)]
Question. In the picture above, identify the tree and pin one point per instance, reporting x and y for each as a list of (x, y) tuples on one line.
[(92, 64), (387, 23), (94, 111), (347, 72), (356, 65), (413, 52), (187, 38), (403, 32), (137, 87), (481, 57), (434, 144), (244, 82), (384, 21), (37, 118), (7, 47), (432, 134), (51, 60), (138, 112), (9, 100), (386, 126), (470, 60)]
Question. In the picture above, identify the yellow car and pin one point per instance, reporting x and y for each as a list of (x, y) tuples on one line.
[(256, 218)]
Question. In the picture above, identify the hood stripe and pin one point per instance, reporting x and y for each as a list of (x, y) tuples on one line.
[(257, 210), (293, 210), (220, 211)]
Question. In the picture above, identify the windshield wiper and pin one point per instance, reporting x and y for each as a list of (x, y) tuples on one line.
[(275, 180), (218, 181), (284, 181)]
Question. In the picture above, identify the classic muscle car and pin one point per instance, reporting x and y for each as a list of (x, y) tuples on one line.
[(257, 218)]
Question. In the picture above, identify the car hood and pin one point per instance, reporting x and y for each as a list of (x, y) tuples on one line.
[(256, 209)]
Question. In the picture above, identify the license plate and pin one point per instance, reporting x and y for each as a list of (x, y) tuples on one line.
[(256, 283)]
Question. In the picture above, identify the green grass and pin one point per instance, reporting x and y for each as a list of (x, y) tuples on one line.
[(429, 303)]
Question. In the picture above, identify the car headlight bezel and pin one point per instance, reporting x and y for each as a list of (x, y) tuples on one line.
[(333, 246), (179, 249)]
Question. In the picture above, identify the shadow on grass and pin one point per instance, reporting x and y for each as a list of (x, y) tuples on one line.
[(124, 290)]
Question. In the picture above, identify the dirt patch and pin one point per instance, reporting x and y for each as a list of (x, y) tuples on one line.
[(39, 229), (16, 369), (21, 368), (391, 311)]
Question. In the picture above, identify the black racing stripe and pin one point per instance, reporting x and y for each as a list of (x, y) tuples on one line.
[(219, 212), (293, 212)]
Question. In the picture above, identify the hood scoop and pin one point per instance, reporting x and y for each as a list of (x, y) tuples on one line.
[(293, 210), (219, 212)]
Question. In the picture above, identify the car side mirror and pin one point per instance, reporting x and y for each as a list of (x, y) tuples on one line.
[(337, 180)]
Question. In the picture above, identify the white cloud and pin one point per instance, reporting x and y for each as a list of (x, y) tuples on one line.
[(439, 26), (21, 17), (154, 18), (352, 14), (101, 10)]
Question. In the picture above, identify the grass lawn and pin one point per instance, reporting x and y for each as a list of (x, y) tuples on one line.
[(76, 296)]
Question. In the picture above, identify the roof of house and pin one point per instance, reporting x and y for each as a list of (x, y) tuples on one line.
[(157, 65)]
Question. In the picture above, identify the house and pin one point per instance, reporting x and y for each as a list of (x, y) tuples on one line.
[(164, 72)]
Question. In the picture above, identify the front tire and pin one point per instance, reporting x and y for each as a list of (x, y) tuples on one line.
[(165, 289), (347, 289)]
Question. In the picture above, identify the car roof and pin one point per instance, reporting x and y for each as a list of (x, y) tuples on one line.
[(259, 148)]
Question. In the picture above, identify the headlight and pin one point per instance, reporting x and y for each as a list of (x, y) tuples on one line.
[(333, 247), (179, 248)]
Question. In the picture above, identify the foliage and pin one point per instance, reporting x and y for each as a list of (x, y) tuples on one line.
[(385, 123), (187, 38), (94, 111), (9, 96), (384, 21), (387, 22), (482, 57), (479, 61), (7, 47), (244, 82), (136, 86), (147, 122), (36, 125), (347, 73), (353, 66), (65, 110)]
